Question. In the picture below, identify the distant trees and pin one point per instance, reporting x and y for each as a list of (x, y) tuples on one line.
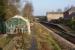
[(59, 10), (28, 11)]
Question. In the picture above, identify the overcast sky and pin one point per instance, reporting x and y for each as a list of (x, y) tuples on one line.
[(43, 6)]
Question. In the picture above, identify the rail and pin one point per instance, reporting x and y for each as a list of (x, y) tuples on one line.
[(65, 44)]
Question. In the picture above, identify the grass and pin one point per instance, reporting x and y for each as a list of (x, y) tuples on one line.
[(5, 40), (44, 35)]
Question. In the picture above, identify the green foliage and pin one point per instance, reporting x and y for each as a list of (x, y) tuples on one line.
[(2, 7), (69, 22), (2, 15), (72, 24)]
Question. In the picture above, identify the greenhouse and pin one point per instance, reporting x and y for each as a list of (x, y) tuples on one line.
[(17, 24)]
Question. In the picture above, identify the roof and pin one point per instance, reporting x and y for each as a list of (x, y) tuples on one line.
[(54, 12), (18, 16)]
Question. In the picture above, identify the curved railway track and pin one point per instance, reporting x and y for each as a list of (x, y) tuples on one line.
[(60, 31)]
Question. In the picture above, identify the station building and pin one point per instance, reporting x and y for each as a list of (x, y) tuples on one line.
[(54, 15)]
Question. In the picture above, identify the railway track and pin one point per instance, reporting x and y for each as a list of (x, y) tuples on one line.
[(60, 31)]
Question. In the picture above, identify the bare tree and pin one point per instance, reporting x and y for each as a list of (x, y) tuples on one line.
[(28, 11), (66, 8), (10, 9)]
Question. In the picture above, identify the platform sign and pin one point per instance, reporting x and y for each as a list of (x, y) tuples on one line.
[(17, 24)]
